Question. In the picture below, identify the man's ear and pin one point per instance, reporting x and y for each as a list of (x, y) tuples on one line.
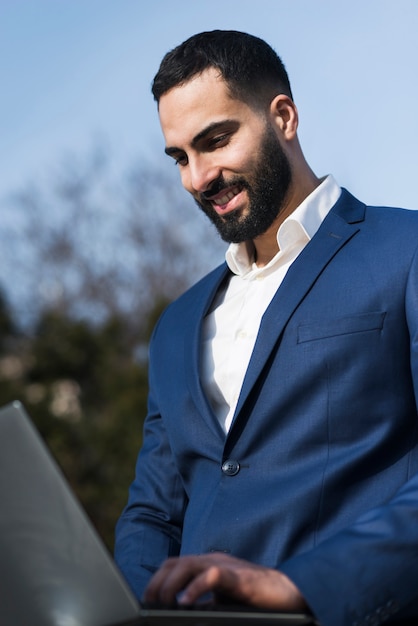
[(284, 116)]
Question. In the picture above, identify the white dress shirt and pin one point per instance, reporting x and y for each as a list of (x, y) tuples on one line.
[(231, 325)]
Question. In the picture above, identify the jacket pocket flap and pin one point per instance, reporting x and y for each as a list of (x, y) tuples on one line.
[(361, 323)]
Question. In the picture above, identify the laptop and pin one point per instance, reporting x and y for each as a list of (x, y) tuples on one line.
[(54, 568)]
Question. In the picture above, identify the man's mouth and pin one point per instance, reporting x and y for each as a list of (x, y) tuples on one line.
[(221, 200), (224, 199)]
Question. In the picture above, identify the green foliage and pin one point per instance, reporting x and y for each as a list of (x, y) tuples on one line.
[(87, 396)]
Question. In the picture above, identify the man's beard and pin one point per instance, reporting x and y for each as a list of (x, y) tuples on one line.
[(267, 190)]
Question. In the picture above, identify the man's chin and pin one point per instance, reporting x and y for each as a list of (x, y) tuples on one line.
[(233, 233), (232, 227)]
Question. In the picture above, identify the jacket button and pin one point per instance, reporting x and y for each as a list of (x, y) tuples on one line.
[(230, 467)]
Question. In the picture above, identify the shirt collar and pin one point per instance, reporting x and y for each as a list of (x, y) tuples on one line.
[(299, 226)]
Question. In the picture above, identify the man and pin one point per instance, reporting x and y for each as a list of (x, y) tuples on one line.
[(280, 457)]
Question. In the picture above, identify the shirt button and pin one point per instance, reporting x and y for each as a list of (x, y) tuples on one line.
[(230, 467)]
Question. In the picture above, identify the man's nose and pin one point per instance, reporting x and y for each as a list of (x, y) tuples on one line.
[(202, 173)]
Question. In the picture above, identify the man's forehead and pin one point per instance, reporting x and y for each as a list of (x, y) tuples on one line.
[(190, 107)]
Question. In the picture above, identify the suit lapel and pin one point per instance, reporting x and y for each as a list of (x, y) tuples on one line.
[(202, 299), (338, 228)]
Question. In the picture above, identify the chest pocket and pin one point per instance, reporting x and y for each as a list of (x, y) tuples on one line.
[(362, 323)]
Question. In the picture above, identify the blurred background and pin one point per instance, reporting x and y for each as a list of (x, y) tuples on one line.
[(96, 235)]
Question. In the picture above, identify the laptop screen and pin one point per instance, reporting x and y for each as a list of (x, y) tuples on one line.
[(53, 567)]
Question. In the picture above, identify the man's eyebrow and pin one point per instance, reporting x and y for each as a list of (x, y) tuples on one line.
[(211, 128), (172, 151), (204, 133)]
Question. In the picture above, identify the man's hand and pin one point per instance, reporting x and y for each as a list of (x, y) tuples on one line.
[(185, 579)]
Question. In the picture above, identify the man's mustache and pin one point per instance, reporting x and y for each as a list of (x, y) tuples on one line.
[(219, 185)]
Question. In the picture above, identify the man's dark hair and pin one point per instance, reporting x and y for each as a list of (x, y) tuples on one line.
[(252, 70)]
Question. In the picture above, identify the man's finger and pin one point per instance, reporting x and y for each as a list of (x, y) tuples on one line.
[(171, 579)]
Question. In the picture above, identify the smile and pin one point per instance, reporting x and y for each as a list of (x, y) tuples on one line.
[(224, 197)]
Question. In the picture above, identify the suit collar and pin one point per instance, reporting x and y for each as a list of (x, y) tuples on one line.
[(348, 208)]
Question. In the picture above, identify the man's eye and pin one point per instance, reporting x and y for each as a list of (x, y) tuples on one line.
[(180, 160), (219, 141)]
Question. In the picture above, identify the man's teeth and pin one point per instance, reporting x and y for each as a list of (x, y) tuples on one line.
[(227, 197)]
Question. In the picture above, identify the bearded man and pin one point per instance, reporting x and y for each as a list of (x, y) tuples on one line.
[(279, 466)]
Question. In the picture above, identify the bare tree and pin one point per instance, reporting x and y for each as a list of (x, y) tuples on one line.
[(97, 244)]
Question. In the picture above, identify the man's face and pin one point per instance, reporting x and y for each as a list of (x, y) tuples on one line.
[(229, 156)]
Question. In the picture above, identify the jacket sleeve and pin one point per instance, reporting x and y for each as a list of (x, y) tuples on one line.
[(368, 572), (149, 529)]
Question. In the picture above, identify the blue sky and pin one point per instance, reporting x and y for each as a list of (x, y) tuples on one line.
[(73, 72)]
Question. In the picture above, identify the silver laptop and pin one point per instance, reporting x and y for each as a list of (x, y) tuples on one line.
[(54, 568)]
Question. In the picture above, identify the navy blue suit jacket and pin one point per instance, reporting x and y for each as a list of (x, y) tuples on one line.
[(325, 434)]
